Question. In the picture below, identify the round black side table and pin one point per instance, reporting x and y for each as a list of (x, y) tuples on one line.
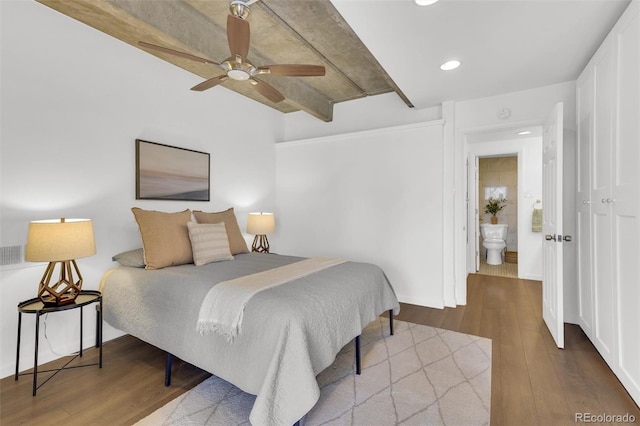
[(35, 306)]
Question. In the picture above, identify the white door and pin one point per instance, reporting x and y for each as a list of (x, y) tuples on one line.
[(477, 215), (584, 92), (602, 224), (552, 286), (473, 218)]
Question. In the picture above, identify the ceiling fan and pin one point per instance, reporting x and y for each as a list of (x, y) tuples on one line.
[(237, 66)]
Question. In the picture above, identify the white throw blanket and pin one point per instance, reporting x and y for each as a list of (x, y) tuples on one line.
[(223, 307)]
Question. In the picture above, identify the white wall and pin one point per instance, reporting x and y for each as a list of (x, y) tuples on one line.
[(73, 102), (374, 196), (373, 112), (529, 151), (530, 107)]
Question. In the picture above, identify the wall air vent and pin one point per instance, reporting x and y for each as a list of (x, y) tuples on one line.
[(11, 255)]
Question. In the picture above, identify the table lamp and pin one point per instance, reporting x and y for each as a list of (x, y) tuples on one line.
[(260, 224), (60, 241)]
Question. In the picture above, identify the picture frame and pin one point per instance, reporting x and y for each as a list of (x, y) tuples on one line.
[(165, 172)]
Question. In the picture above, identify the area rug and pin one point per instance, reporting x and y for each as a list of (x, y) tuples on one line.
[(419, 376)]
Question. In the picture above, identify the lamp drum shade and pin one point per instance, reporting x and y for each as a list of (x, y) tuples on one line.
[(261, 223), (58, 240)]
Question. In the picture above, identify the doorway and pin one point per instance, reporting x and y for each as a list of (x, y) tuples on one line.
[(498, 189), (526, 151), (540, 257)]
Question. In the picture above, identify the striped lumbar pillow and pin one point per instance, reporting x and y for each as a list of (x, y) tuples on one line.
[(209, 242)]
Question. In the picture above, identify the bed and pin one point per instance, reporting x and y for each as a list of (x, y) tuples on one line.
[(290, 332)]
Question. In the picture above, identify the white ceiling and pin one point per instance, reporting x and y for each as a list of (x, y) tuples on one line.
[(504, 45)]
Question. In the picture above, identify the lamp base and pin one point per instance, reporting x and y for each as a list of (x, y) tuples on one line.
[(65, 299), (66, 289), (260, 244)]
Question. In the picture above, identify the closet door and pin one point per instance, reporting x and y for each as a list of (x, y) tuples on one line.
[(584, 102), (625, 205), (608, 120), (601, 195)]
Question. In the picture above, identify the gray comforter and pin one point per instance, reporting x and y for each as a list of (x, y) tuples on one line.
[(290, 332)]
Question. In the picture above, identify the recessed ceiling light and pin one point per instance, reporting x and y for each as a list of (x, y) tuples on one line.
[(524, 132), (425, 2), (450, 65)]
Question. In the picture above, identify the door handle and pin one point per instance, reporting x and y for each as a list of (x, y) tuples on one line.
[(558, 238)]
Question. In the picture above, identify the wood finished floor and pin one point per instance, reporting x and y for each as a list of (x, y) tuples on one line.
[(533, 382)]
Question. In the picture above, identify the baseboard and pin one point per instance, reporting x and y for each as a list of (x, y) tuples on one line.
[(530, 277), (422, 301)]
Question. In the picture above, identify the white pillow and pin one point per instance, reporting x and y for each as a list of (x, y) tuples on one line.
[(209, 242)]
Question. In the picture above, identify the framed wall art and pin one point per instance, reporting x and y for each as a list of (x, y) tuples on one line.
[(166, 172)]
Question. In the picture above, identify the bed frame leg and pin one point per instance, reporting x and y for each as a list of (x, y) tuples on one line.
[(358, 366), (167, 371), (391, 321)]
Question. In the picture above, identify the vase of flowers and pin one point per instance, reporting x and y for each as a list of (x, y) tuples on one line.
[(493, 206)]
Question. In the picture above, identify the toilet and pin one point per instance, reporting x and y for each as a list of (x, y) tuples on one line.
[(494, 239)]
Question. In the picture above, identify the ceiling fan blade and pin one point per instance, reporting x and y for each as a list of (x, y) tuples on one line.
[(238, 35), (177, 53), (208, 84), (267, 91), (293, 70)]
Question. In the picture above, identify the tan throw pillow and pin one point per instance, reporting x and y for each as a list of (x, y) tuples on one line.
[(165, 237), (209, 242), (237, 244)]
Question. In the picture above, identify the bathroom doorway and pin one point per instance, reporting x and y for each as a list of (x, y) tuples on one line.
[(506, 147), (498, 190)]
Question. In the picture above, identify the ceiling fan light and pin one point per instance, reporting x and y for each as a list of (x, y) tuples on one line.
[(238, 75), (450, 65)]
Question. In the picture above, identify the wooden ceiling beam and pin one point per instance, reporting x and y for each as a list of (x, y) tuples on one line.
[(179, 26)]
